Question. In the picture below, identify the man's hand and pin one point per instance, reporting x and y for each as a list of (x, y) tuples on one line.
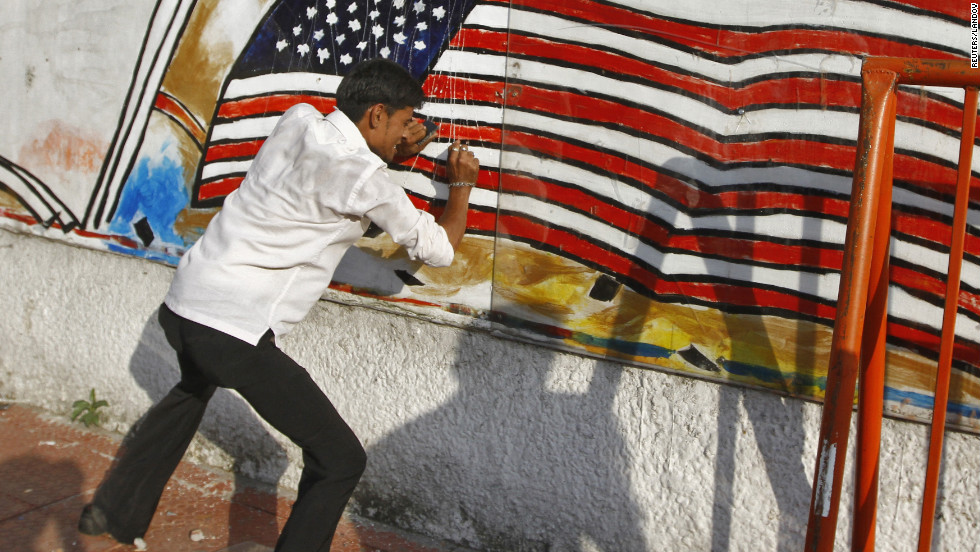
[(461, 164), (416, 137)]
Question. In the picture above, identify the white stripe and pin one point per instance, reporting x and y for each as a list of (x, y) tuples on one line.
[(282, 83), (937, 261), (225, 168), (245, 129), (420, 184)]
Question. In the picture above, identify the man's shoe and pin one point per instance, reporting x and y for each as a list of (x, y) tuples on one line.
[(93, 521)]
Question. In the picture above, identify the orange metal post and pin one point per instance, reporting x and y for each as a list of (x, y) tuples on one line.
[(871, 397), (865, 266), (929, 72), (877, 101), (949, 319)]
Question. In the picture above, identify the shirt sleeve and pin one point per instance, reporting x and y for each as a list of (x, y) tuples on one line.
[(417, 231)]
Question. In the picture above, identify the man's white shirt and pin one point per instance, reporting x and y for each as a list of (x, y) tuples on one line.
[(269, 254)]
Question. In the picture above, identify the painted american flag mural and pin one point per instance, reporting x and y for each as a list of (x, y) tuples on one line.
[(663, 182)]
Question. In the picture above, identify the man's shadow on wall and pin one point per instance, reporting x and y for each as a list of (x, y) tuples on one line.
[(503, 413), (229, 423), (776, 426), (542, 459)]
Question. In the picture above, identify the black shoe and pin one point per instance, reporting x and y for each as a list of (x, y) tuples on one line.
[(93, 521)]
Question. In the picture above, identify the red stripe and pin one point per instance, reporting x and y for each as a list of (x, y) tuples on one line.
[(727, 42), (965, 352), (954, 9), (272, 104), (219, 152), (168, 105), (936, 287), (219, 188), (732, 294)]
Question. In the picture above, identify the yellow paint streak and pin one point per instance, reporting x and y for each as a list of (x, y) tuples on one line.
[(9, 201), (472, 266), (198, 68), (547, 284)]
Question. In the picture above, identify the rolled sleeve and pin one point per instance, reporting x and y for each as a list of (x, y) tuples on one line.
[(426, 241), (417, 231)]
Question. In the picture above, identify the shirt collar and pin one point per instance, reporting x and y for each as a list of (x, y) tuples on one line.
[(347, 128)]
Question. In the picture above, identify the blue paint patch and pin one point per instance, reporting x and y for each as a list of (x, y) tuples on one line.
[(633, 348), (147, 254), (155, 190), (773, 378), (926, 401)]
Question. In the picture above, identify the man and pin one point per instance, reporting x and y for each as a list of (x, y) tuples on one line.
[(265, 259)]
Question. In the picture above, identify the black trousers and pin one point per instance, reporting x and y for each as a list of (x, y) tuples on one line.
[(280, 390)]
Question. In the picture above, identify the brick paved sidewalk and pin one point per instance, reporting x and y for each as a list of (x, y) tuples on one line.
[(50, 467)]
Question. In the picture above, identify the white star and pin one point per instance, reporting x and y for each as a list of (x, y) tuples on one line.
[(399, 38), (352, 8), (297, 29), (310, 12), (385, 52), (400, 21), (318, 34), (332, 18), (419, 6), (281, 45), (422, 26), (354, 25), (361, 45), (340, 38), (419, 45), (399, 4), (331, 3), (303, 49), (439, 13), (323, 54), (374, 14), (346, 59), (378, 31)]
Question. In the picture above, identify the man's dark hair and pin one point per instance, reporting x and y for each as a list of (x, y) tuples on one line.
[(378, 81)]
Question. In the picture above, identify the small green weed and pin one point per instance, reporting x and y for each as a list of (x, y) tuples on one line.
[(88, 411)]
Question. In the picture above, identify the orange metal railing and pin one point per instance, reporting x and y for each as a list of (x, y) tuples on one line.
[(860, 331)]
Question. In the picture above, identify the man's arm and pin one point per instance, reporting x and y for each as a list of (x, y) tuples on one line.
[(462, 170)]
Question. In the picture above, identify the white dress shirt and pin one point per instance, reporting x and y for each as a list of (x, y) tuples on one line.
[(268, 255)]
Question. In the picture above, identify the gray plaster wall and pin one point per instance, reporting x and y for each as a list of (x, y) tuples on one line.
[(472, 436)]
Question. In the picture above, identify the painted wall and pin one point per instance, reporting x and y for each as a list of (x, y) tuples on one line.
[(471, 436), (665, 186)]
